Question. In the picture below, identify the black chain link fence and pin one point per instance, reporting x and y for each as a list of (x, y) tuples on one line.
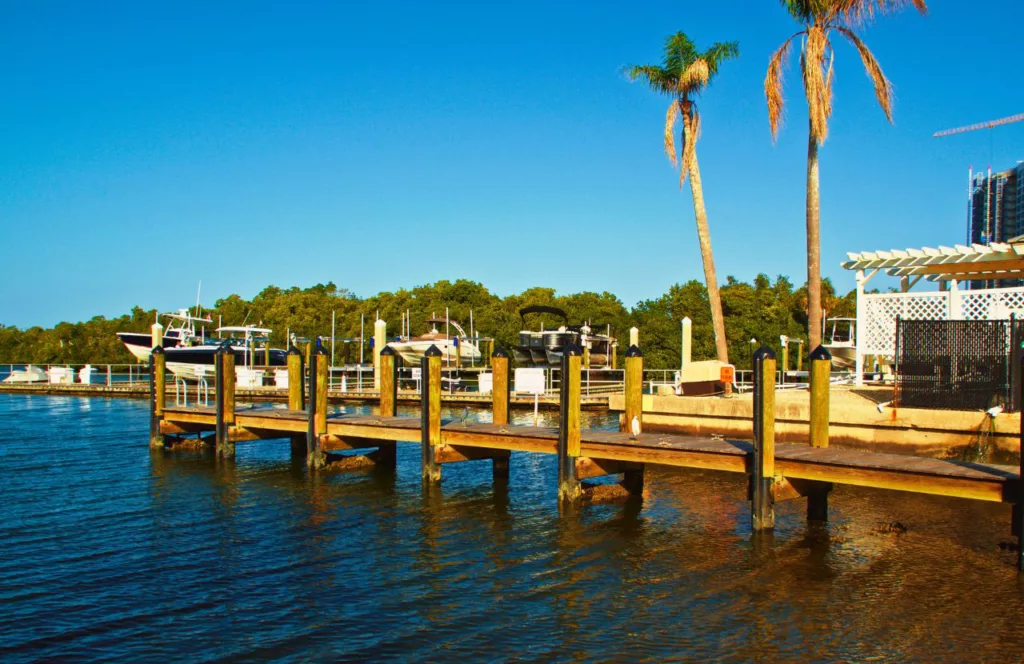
[(958, 364)]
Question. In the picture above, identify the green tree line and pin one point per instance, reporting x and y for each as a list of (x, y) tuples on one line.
[(762, 310)]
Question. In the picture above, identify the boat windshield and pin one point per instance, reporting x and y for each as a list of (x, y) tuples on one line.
[(842, 331)]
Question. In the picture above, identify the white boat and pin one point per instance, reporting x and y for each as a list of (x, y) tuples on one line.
[(249, 344), (460, 346), (29, 374), (841, 342), (180, 331)]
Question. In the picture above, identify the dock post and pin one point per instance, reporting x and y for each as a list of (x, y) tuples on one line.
[(820, 378), (295, 394), (633, 480), (500, 404), (569, 489), (380, 340), (319, 403), (430, 414), (763, 507), (227, 448), (225, 406), (157, 394), (387, 452)]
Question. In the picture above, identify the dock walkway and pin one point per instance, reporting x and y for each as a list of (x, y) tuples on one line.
[(775, 472)]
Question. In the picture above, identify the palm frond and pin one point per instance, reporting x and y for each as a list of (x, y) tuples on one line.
[(773, 85), (883, 88), (817, 85), (657, 78), (694, 77), (719, 53), (670, 124), (852, 13), (679, 52)]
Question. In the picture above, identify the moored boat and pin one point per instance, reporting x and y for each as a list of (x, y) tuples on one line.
[(29, 374), (451, 346), (180, 331), (249, 344)]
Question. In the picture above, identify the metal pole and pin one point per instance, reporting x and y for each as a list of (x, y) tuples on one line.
[(332, 338)]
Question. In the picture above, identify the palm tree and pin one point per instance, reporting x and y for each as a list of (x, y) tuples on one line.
[(683, 74), (819, 19)]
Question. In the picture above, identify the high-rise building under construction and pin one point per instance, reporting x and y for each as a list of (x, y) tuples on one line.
[(995, 211), (996, 206)]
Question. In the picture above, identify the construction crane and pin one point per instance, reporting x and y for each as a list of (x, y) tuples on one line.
[(980, 125)]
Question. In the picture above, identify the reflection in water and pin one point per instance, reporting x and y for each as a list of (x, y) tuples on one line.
[(108, 550)]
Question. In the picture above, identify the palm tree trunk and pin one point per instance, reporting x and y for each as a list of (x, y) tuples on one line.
[(704, 238), (813, 245)]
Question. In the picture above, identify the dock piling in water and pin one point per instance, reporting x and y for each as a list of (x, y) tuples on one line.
[(633, 478), (569, 489), (224, 372), (430, 415), (763, 499), (158, 394), (296, 396), (500, 404), (821, 371)]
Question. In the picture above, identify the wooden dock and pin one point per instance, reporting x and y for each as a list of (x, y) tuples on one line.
[(776, 472)]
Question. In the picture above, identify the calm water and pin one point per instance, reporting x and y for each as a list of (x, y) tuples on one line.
[(110, 552)]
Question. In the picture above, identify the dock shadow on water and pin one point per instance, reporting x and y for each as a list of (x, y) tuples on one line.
[(110, 551)]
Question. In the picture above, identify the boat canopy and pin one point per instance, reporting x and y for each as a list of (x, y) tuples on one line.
[(542, 309)]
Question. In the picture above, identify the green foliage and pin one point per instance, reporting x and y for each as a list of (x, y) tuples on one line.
[(763, 310)]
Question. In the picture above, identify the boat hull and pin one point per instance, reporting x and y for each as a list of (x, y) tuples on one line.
[(141, 345), (196, 362), (412, 351)]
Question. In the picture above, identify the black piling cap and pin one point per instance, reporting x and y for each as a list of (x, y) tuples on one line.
[(633, 351), (157, 350), (388, 351), (572, 350), (764, 353), (292, 350), (499, 352), (820, 353), (433, 351), (221, 350)]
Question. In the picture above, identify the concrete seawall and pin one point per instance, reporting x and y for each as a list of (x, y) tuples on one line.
[(855, 421)]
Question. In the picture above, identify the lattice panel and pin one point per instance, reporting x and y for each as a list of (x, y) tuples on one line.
[(992, 304), (877, 333)]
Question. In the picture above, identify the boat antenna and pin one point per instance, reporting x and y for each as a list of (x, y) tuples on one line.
[(198, 291), (246, 317)]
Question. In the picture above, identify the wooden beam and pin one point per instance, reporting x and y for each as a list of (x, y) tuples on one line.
[(588, 467)]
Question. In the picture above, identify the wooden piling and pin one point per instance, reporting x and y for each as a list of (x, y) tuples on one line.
[(633, 480), (430, 414), (224, 372), (569, 489), (763, 507), (316, 460), (820, 379), (500, 397), (388, 382), (785, 359), (316, 422), (295, 380), (158, 394), (296, 395)]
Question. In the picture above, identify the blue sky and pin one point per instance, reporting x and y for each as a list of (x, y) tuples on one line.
[(147, 146)]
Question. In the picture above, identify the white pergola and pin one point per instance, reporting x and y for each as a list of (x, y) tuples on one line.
[(877, 312)]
